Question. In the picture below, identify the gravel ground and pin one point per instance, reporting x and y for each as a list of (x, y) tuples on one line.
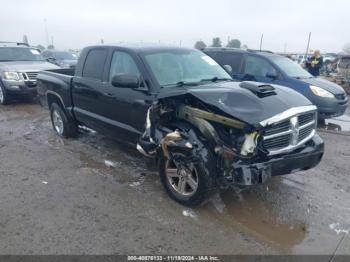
[(94, 195)]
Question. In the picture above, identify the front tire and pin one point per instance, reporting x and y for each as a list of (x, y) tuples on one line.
[(63, 125), (4, 97), (190, 184)]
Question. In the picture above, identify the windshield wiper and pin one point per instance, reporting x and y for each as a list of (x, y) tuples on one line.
[(182, 83), (303, 77), (216, 79)]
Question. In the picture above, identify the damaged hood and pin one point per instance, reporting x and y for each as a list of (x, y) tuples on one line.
[(242, 103)]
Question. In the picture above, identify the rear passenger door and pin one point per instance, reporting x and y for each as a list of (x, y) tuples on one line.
[(258, 69), (87, 91)]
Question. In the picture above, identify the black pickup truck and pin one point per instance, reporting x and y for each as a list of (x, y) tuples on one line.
[(178, 105)]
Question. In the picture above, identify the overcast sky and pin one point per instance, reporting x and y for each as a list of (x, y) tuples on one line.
[(77, 23)]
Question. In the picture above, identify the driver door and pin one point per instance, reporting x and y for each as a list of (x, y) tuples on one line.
[(125, 108)]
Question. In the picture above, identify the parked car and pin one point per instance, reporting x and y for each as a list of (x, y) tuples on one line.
[(343, 68), (178, 105), (329, 58), (19, 67), (330, 98), (61, 58), (301, 58)]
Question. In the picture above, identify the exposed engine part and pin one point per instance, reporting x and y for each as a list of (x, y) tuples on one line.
[(169, 138), (174, 139), (249, 144), (204, 126), (225, 152)]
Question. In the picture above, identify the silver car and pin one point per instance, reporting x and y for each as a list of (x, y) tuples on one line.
[(343, 68), (19, 67)]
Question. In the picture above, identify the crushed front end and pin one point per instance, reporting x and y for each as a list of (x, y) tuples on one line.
[(245, 154)]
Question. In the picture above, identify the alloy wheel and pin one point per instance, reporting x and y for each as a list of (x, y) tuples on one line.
[(1, 96), (57, 122), (183, 179)]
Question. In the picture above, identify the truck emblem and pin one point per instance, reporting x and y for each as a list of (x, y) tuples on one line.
[(295, 130)]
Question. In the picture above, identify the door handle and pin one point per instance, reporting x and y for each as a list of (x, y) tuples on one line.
[(108, 94)]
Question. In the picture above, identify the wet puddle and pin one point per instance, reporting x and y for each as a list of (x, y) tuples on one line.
[(245, 209)]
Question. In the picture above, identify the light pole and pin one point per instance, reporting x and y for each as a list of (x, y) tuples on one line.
[(46, 33), (261, 40), (308, 45)]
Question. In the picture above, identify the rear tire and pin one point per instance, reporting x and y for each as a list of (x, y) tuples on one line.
[(4, 97), (199, 177), (63, 125)]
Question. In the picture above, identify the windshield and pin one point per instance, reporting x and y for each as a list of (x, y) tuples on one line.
[(64, 56), (180, 67), (290, 68), (19, 54)]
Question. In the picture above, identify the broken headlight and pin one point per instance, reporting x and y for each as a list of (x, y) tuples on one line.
[(249, 144)]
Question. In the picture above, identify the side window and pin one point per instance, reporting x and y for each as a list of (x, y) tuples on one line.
[(94, 63), (258, 67), (232, 59), (123, 63)]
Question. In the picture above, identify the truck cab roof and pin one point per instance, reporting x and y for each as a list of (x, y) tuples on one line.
[(238, 50), (138, 47)]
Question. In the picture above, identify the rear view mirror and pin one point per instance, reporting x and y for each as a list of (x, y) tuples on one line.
[(125, 80), (228, 68)]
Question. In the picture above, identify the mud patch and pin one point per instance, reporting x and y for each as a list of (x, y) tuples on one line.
[(256, 216)]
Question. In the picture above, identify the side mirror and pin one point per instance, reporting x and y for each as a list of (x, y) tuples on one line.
[(50, 59), (228, 68), (125, 80), (271, 75)]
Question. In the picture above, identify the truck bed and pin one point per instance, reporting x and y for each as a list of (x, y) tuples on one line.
[(56, 81)]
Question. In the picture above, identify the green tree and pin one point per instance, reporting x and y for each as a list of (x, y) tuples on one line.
[(216, 42), (200, 45), (234, 43)]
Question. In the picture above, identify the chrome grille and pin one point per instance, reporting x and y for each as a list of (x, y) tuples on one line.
[(30, 76), (278, 128), (277, 142), (289, 133)]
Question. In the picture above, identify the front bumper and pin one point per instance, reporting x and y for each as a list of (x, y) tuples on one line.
[(20, 87), (331, 107), (304, 158)]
